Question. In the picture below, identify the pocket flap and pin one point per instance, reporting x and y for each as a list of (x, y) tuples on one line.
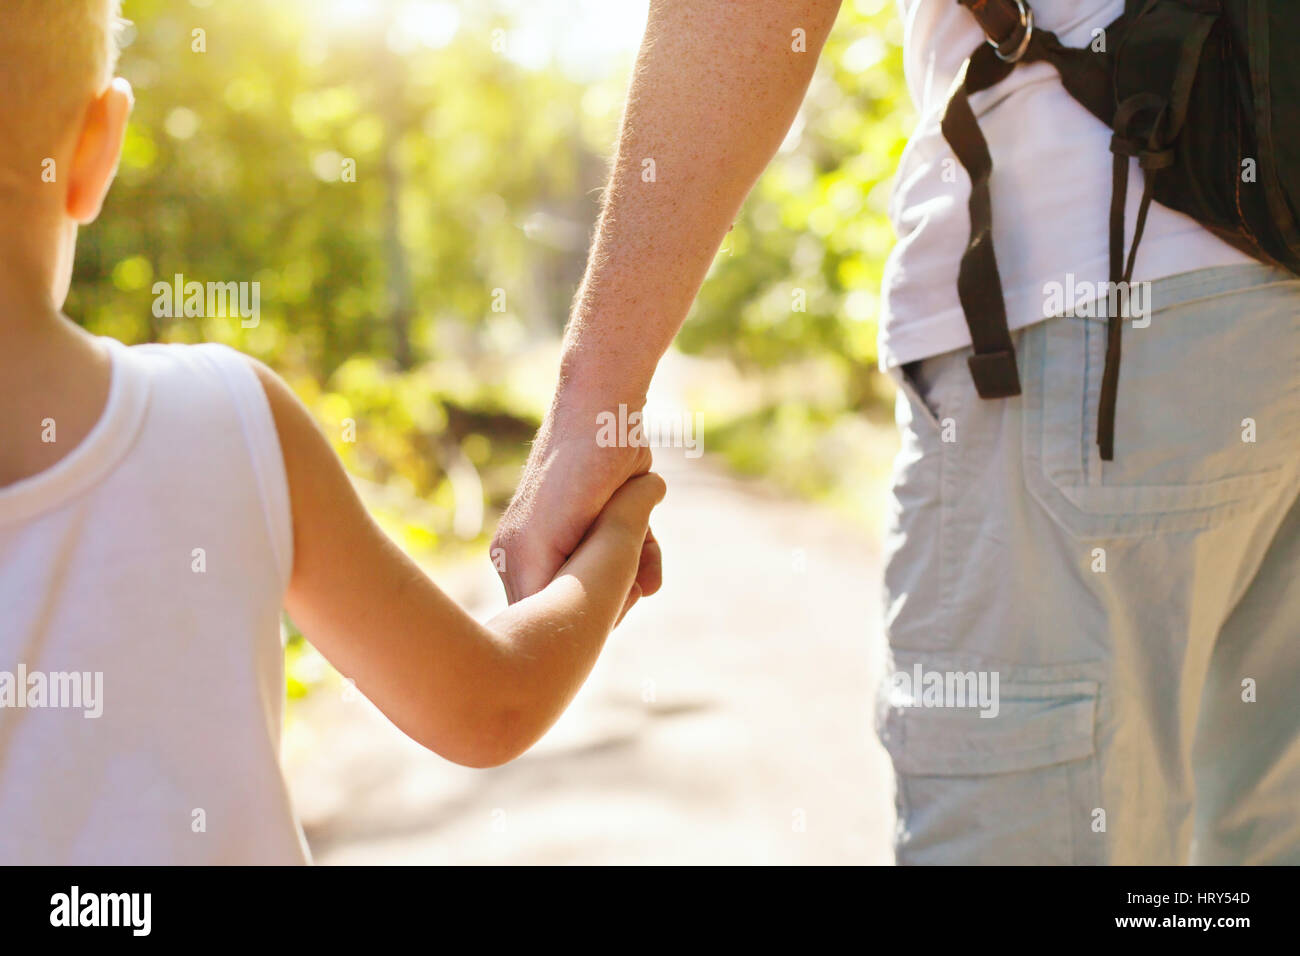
[(1032, 718)]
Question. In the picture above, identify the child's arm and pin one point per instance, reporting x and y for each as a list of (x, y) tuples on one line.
[(476, 694)]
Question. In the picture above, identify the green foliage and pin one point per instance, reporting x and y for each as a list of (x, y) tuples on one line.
[(402, 300), (793, 296), (799, 275), (418, 305)]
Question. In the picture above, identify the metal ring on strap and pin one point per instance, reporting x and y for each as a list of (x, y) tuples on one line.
[(1005, 51)]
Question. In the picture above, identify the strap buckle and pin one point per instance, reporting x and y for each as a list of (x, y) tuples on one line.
[(1014, 46)]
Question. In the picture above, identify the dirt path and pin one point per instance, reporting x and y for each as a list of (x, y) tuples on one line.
[(727, 722)]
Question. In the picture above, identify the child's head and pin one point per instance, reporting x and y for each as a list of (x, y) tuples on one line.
[(62, 118)]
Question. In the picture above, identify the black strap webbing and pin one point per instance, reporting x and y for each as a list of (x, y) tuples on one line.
[(1087, 76), (979, 286), (1155, 152)]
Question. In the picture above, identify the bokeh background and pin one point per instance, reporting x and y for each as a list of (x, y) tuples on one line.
[(413, 183)]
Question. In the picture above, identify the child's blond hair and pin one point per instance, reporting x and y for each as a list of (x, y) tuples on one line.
[(55, 55)]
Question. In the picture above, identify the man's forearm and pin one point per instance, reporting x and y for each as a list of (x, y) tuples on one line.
[(717, 85)]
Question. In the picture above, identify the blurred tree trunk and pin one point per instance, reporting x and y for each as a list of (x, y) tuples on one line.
[(400, 296), (401, 301)]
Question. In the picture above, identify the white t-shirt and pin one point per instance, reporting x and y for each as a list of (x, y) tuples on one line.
[(1051, 187), (141, 581)]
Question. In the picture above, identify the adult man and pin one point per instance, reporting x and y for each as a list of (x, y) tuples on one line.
[(1129, 608)]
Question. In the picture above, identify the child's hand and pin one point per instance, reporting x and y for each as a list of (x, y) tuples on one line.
[(611, 549)]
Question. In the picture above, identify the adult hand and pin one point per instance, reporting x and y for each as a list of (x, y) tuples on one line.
[(566, 482)]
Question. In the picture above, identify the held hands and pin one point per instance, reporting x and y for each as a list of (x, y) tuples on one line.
[(606, 560), (546, 643), (568, 482)]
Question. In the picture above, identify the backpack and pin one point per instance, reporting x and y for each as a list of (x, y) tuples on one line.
[(1201, 92)]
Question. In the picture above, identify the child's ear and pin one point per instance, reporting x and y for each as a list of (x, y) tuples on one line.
[(99, 147)]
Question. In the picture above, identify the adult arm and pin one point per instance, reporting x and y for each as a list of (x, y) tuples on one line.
[(716, 86)]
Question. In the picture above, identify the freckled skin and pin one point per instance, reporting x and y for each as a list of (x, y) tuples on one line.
[(716, 86)]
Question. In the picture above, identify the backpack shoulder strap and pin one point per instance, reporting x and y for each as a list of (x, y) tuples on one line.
[(979, 285), (1012, 38)]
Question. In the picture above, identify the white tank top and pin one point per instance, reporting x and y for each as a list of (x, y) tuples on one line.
[(142, 578), (1051, 186)]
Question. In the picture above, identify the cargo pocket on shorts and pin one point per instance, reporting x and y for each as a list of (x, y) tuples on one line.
[(1020, 786), (1214, 361)]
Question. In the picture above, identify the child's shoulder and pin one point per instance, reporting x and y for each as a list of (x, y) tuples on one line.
[(189, 378), (201, 400), (163, 359), (210, 427), (201, 383)]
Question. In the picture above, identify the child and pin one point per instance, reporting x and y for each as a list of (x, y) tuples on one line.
[(159, 505)]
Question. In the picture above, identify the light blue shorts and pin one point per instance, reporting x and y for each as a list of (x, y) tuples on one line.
[(1099, 662)]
